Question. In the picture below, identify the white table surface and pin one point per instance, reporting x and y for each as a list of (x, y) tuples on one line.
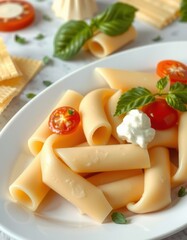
[(38, 49)]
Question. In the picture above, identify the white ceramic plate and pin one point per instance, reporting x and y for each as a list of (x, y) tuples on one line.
[(57, 219)]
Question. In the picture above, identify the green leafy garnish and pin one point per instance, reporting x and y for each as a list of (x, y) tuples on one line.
[(119, 218), (20, 40), (157, 38), (47, 18), (30, 95), (47, 60), (40, 36), (137, 97), (183, 11), (71, 36), (115, 20), (182, 192), (47, 83)]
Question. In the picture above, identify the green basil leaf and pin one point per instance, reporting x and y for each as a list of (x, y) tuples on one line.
[(115, 20), (20, 40), (176, 102), (180, 90), (70, 38), (183, 11), (162, 83), (182, 192), (134, 98), (119, 218)]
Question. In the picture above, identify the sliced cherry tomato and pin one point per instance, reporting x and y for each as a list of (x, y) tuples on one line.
[(162, 116), (15, 15), (176, 70), (64, 120)]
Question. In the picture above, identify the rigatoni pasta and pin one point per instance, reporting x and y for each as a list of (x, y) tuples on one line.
[(92, 166), (36, 141)]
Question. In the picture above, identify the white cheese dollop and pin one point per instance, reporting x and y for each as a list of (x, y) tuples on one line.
[(136, 128)]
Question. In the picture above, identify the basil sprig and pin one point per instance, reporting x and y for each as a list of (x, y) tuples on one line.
[(183, 11), (137, 97), (71, 36)]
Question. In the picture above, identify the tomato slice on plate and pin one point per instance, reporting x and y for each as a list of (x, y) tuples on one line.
[(176, 70), (15, 15), (64, 120), (162, 116)]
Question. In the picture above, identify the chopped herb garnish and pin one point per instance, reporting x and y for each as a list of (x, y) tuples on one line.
[(183, 11), (47, 60), (20, 40), (119, 218), (70, 111), (40, 36), (47, 18), (47, 83), (30, 95), (137, 97), (182, 192), (157, 39), (71, 36)]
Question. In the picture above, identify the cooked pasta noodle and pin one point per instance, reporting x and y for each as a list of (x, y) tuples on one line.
[(96, 127), (36, 141)]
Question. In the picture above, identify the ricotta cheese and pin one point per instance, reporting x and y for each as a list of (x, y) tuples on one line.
[(136, 128)]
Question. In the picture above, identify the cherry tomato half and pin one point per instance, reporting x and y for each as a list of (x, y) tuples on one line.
[(162, 116), (176, 70), (15, 15), (64, 120)]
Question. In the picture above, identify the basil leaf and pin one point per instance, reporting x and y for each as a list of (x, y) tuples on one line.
[(134, 98), (183, 11), (180, 90), (119, 218), (20, 40), (182, 192), (115, 20), (176, 102), (70, 38), (162, 83)]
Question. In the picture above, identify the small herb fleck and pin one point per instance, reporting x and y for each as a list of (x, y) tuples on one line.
[(70, 111), (47, 83), (30, 95), (47, 60), (20, 40), (47, 18), (119, 218), (157, 39), (40, 36), (183, 11), (182, 192)]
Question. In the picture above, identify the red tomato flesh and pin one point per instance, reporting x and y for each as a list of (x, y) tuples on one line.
[(176, 70), (162, 116), (64, 120), (15, 15)]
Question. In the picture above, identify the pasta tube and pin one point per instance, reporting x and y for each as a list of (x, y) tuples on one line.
[(157, 187), (36, 141), (165, 138), (105, 158), (29, 189), (181, 174), (125, 80), (102, 45), (124, 191), (72, 186), (112, 176), (96, 127), (110, 110)]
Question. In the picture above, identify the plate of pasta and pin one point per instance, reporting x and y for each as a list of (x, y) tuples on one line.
[(56, 185)]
